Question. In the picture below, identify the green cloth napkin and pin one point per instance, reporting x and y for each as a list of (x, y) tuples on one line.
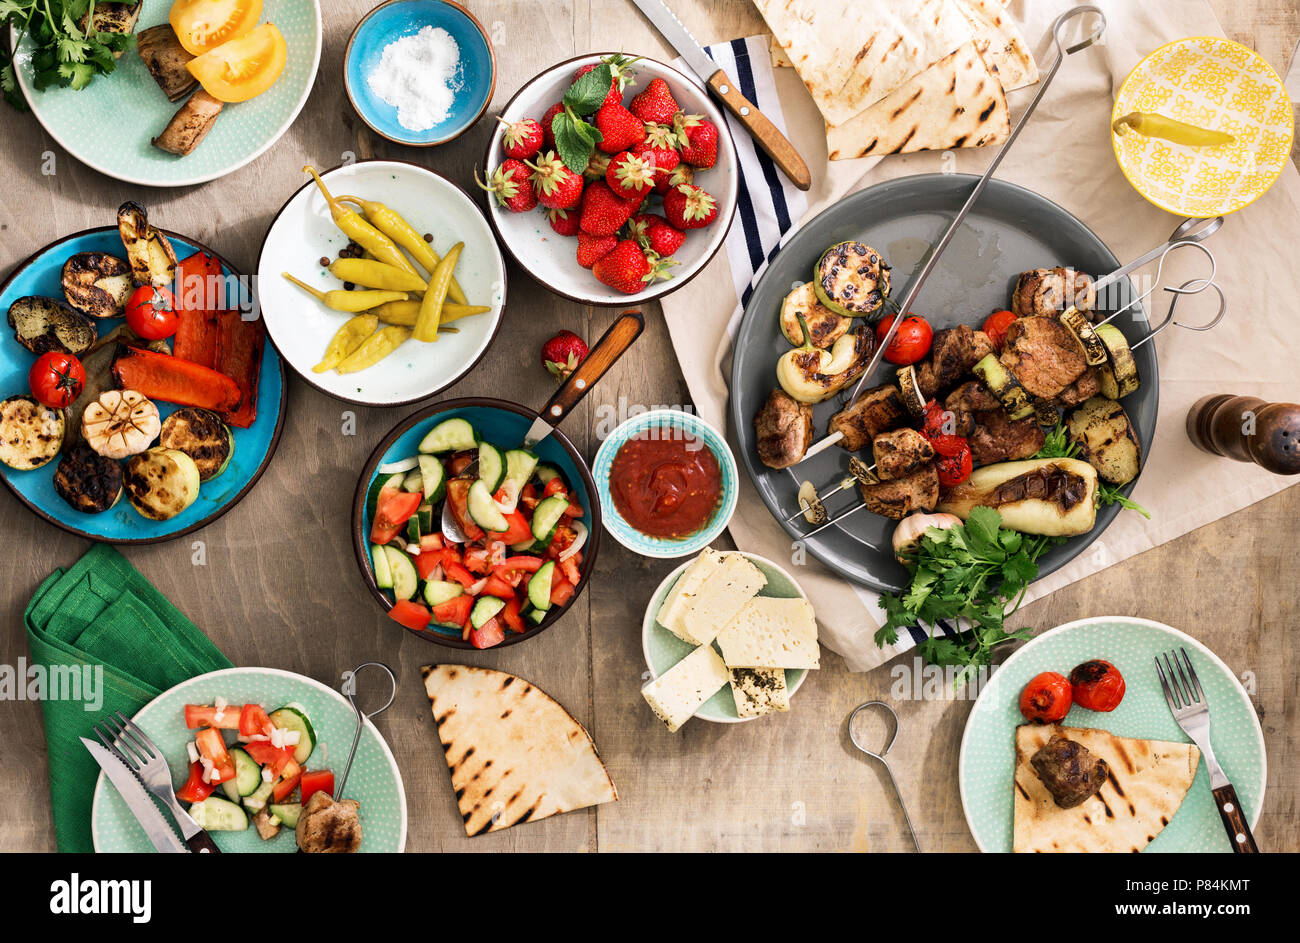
[(102, 612)]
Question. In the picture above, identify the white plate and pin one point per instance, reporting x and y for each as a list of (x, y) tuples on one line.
[(303, 232)]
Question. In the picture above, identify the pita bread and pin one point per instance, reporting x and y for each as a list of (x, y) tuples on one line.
[(515, 754), (1000, 43), (956, 102), (1148, 781)]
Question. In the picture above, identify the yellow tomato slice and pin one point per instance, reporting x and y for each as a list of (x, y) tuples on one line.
[(242, 68), (201, 25)]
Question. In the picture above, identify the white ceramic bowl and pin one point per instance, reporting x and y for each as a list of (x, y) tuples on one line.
[(302, 233), (550, 258)]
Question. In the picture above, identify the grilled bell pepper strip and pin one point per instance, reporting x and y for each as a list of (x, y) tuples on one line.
[(371, 273), (361, 232), (374, 349), (174, 380), (426, 323), (404, 313), (239, 356), (346, 340), (400, 231), (196, 330), (350, 301), (1170, 129)]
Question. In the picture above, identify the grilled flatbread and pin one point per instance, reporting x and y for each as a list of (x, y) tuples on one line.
[(514, 753), (1148, 780), (957, 102), (1000, 42)]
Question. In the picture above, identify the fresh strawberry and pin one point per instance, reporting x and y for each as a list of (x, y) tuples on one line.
[(656, 104), (653, 232), (562, 354), (689, 207), (700, 140), (628, 268), (682, 173), (631, 175), (521, 139), (564, 222), (603, 210), (664, 158), (591, 249), (597, 165), (557, 187), (548, 135), (621, 66), (509, 184), (622, 130)]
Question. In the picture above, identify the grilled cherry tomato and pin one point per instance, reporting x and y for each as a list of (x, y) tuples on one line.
[(910, 344), (995, 326), (1046, 698), (1097, 685), (938, 421), (151, 313), (56, 379), (954, 469)]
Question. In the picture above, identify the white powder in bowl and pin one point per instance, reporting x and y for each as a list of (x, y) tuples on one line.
[(419, 75)]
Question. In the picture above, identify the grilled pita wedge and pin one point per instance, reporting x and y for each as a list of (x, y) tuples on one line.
[(1148, 781), (515, 754)]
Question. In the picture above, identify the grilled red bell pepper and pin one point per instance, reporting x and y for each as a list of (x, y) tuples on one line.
[(196, 334), (239, 356), (175, 380)]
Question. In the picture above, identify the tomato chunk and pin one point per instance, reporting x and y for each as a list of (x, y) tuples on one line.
[(317, 780), (453, 613), (195, 789), (487, 635), (409, 614), (204, 715)]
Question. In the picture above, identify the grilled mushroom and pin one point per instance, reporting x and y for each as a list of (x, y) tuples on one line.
[(190, 125), (166, 59)]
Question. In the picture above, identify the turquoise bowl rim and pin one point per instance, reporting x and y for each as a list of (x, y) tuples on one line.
[(661, 547), (473, 120)]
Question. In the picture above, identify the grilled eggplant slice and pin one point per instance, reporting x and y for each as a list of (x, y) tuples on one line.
[(1052, 496), (166, 59), (30, 434), (1119, 374), (851, 279), (97, 284), (201, 435), (1106, 440), (88, 481), (45, 324), (161, 483), (190, 125), (112, 18), (152, 258), (824, 326)]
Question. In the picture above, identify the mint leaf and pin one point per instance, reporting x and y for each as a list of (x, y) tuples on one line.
[(586, 95), (572, 142)]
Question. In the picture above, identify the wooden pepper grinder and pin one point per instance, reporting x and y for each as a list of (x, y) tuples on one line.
[(1248, 429)]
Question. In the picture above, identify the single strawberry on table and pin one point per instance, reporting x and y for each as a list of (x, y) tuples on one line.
[(564, 222), (510, 185), (521, 139), (621, 129), (562, 354), (628, 268), (603, 210), (653, 232), (699, 140), (631, 175), (689, 207), (656, 104), (591, 249), (557, 187)]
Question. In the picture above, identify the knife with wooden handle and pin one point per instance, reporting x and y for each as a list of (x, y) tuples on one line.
[(773, 143)]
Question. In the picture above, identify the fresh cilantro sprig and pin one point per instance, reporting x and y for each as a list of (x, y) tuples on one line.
[(64, 55)]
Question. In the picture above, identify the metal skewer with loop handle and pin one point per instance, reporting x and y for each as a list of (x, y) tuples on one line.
[(350, 689), (914, 287)]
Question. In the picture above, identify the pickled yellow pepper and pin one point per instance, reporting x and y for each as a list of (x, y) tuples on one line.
[(401, 232), (361, 232), (349, 301), (405, 312), (375, 274), (346, 340), (426, 323), (374, 349), (1170, 129)]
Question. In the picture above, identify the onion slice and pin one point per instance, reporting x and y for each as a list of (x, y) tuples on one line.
[(402, 465), (579, 538)]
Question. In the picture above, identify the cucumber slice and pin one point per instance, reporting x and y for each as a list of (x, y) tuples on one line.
[(405, 579), (483, 511), (545, 473), (539, 587), (535, 616), (437, 592), (450, 435), (219, 815), (257, 801), (248, 775), (383, 572), (290, 718), (547, 514), (519, 468), (379, 484), (287, 812), (434, 478), (424, 513), (414, 481), (491, 466), (485, 608), (413, 529)]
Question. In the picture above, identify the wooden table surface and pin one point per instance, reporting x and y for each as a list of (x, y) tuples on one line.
[(280, 587)]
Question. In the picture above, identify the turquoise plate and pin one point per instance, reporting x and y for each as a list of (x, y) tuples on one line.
[(374, 780), (254, 446), (108, 124), (662, 649), (988, 751)]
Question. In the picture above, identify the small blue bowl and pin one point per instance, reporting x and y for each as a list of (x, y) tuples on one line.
[(394, 19), (665, 547)]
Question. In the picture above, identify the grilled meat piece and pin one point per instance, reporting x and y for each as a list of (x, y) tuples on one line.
[(878, 410), (1069, 770), (971, 397), (1086, 387), (954, 351), (1043, 355), (896, 499), (996, 437), (784, 430), (1046, 292), (329, 827), (900, 453)]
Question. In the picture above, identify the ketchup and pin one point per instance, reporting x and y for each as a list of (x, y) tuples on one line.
[(665, 482)]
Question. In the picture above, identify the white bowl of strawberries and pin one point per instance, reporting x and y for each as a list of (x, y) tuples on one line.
[(611, 179)]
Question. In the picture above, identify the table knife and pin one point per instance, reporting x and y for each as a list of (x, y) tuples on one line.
[(775, 144), (137, 799)]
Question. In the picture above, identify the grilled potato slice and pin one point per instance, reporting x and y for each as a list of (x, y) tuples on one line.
[(161, 483), (88, 481), (45, 324), (201, 435), (30, 434), (152, 258), (97, 284), (1101, 429)]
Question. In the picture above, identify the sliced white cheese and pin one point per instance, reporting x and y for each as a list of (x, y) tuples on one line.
[(759, 691), (680, 691), (685, 590), (723, 594), (771, 633)]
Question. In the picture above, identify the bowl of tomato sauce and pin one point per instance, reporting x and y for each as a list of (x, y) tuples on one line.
[(667, 483)]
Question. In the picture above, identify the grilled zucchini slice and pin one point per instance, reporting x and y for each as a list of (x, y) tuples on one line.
[(1119, 375), (88, 481), (201, 435), (851, 279), (161, 483), (1106, 440), (30, 434), (45, 324), (1004, 386), (1082, 328)]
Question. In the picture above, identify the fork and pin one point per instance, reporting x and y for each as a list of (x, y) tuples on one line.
[(1191, 710), (134, 748)]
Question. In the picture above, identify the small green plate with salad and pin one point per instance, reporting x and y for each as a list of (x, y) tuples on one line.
[(324, 723)]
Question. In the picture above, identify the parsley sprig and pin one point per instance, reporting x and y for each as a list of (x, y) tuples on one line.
[(64, 55)]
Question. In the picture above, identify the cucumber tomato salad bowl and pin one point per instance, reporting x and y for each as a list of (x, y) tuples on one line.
[(527, 515)]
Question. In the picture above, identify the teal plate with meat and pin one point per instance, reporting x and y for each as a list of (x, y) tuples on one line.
[(988, 755), (374, 779), (121, 524)]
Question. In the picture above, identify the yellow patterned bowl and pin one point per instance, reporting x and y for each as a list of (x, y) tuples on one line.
[(1213, 83)]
